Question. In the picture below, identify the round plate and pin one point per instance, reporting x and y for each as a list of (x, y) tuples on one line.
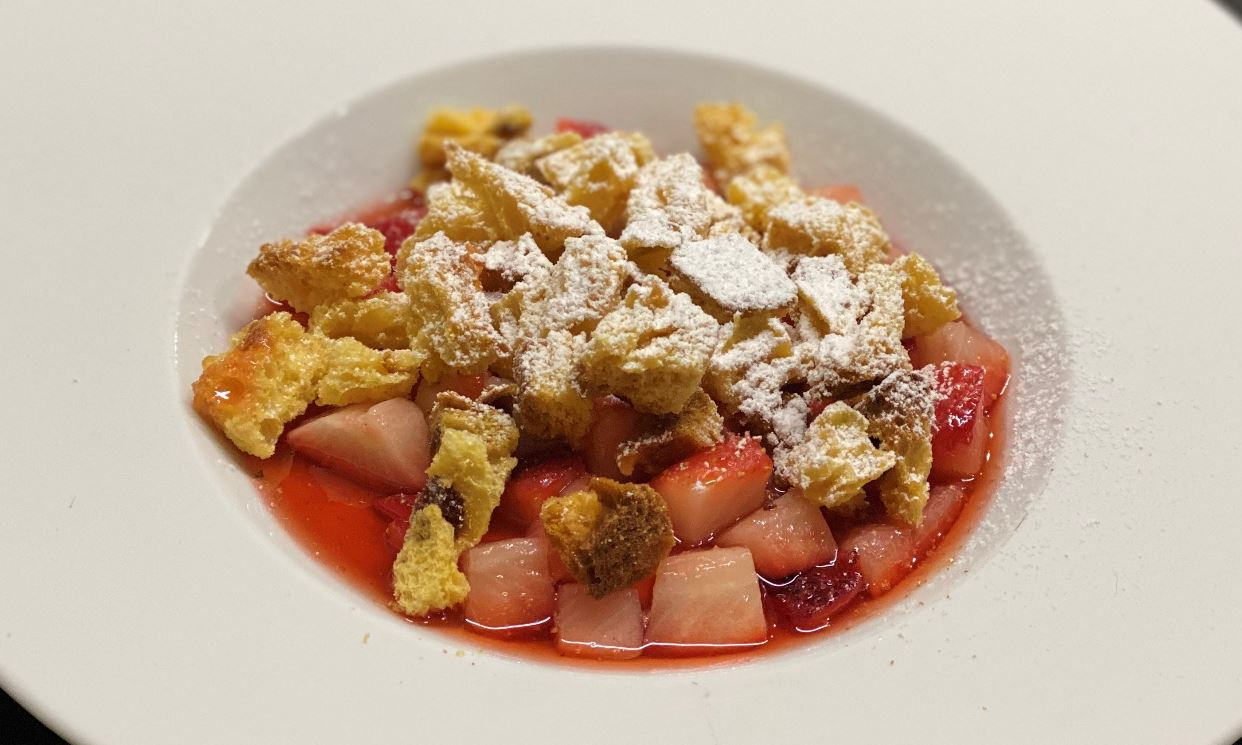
[(151, 598)]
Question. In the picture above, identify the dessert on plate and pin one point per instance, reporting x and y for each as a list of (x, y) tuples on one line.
[(580, 395)]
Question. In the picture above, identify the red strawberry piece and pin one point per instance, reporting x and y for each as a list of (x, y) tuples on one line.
[(885, 554), (959, 342), (713, 488), (610, 627), (615, 422), (785, 537), (944, 504), (961, 438), (706, 601), (385, 445), (511, 592), (582, 127), (534, 483), (811, 598)]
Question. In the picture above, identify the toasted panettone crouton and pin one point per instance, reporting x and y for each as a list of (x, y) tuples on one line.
[(733, 145), (266, 378), (727, 275), (380, 322), (356, 373), (456, 211), (347, 263), (652, 350), (667, 439), (550, 404), (519, 204), (598, 173), (455, 411), (522, 155), (425, 576), (482, 131), (463, 464), (852, 351), (835, 460), (759, 191), (753, 361), (610, 536), (814, 226), (928, 303), (584, 285), (451, 313), (900, 411), (668, 206), (506, 263)]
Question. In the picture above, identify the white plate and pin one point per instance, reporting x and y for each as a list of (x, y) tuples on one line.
[(148, 597)]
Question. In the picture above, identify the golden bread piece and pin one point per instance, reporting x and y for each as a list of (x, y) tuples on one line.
[(840, 350), (455, 411), (753, 361), (550, 404), (815, 226), (667, 439), (380, 322), (733, 145), (452, 315), (505, 263), (670, 205), (462, 463), (836, 459), (726, 275), (653, 349), (611, 535), (901, 410), (756, 193), (584, 285), (347, 263), (522, 155), (482, 131), (456, 211), (356, 373), (265, 379), (518, 204), (598, 173), (928, 303), (425, 576)]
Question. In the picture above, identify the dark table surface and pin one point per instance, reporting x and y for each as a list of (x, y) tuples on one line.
[(17, 727)]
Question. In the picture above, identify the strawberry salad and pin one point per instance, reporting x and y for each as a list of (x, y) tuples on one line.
[(577, 399)]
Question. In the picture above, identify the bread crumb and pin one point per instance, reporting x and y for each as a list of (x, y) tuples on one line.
[(347, 263)]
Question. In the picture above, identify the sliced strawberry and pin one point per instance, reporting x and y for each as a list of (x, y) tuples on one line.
[(385, 445), (711, 489), (961, 438), (470, 386), (610, 627), (707, 601), (615, 422), (582, 127), (810, 599), (511, 592), (959, 342), (786, 537), (944, 504), (530, 486), (885, 554), (843, 193)]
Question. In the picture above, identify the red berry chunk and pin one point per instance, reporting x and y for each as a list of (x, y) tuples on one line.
[(707, 601), (397, 506), (711, 489), (958, 342), (615, 422), (533, 484), (584, 128), (960, 442), (885, 554), (511, 592), (610, 627), (811, 598), (394, 534), (786, 537), (944, 504), (386, 445), (470, 386)]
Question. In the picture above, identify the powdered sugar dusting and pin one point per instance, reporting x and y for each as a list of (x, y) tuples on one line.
[(731, 272)]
